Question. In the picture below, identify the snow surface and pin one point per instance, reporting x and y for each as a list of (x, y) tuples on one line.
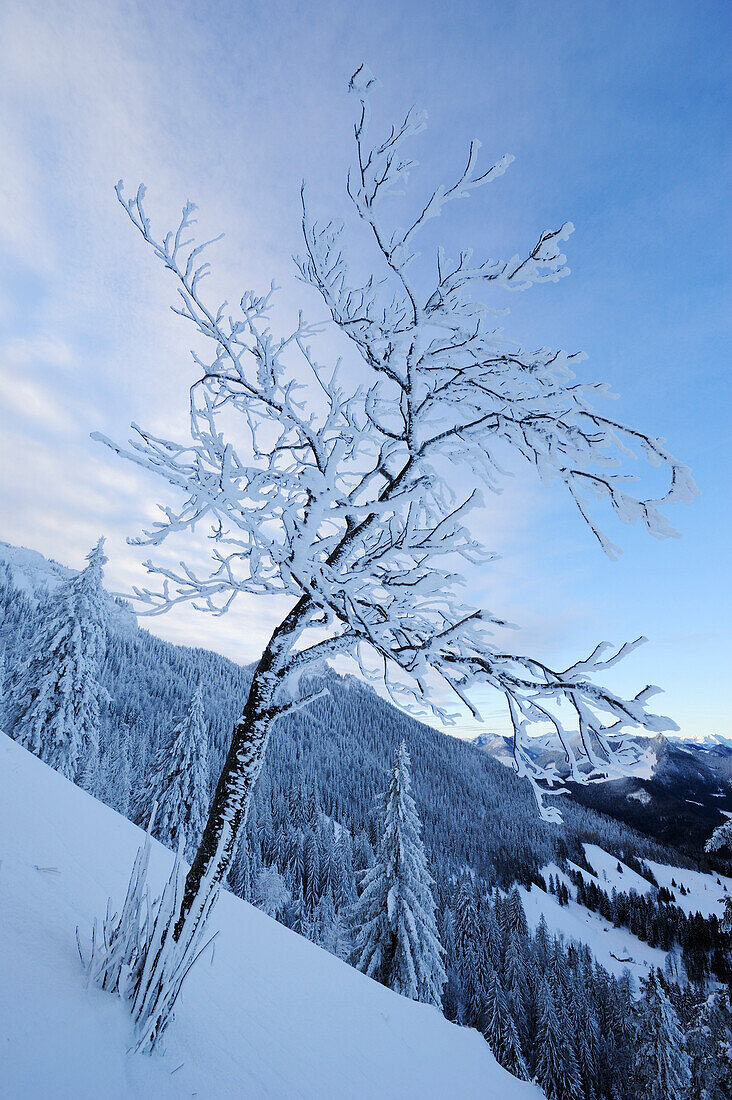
[(704, 896), (608, 876), (616, 949), (264, 1014)]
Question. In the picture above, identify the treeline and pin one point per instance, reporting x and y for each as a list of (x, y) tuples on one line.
[(655, 919)]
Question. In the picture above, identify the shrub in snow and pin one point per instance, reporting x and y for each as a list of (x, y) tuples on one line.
[(56, 693), (142, 954), (396, 939)]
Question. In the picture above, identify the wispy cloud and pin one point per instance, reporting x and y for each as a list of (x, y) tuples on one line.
[(230, 105)]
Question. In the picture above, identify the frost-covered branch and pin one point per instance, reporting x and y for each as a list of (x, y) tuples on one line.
[(326, 483)]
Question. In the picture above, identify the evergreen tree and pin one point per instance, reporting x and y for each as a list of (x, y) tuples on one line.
[(500, 1031), (3, 674), (56, 694), (709, 1044), (556, 1065), (514, 983), (270, 891), (179, 783), (330, 929), (396, 939), (472, 963), (514, 917), (662, 1059), (586, 1038)]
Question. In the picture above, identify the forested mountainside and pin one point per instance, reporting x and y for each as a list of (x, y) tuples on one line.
[(265, 1013), (475, 812), (539, 922)]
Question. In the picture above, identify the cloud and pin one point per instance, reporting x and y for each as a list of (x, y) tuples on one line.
[(229, 105)]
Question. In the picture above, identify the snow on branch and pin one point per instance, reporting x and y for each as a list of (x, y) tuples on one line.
[(326, 483)]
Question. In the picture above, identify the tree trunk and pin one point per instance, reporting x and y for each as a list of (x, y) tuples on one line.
[(242, 767)]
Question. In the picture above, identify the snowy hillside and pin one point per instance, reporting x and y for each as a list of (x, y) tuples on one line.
[(616, 947), (265, 1013)]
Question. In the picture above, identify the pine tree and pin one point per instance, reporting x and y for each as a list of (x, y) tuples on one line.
[(179, 783), (3, 674), (556, 1065), (56, 695), (662, 1059), (709, 1044), (472, 965), (396, 933), (500, 1031)]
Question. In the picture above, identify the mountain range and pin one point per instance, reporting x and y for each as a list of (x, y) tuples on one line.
[(677, 792)]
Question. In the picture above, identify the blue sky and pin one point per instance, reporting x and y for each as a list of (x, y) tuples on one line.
[(617, 114)]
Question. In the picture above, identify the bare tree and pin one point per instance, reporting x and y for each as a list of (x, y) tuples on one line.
[(337, 493)]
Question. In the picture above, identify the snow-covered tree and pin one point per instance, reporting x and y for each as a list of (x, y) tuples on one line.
[(347, 489), (55, 694), (396, 940), (270, 892), (179, 783), (500, 1031), (330, 928), (709, 1044), (3, 675), (471, 950), (556, 1065), (661, 1053), (721, 837), (726, 922)]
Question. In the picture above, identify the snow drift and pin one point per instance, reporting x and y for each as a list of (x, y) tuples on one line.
[(264, 1014)]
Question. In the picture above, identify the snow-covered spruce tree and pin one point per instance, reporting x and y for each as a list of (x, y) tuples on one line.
[(500, 1031), (709, 1044), (471, 955), (270, 891), (721, 837), (3, 675), (396, 940), (726, 922), (55, 694), (556, 1065), (179, 783), (663, 1063), (342, 488)]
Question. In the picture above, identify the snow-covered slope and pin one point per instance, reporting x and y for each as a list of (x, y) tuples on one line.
[(617, 949), (705, 894), (264, 1014), (611, 873)]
